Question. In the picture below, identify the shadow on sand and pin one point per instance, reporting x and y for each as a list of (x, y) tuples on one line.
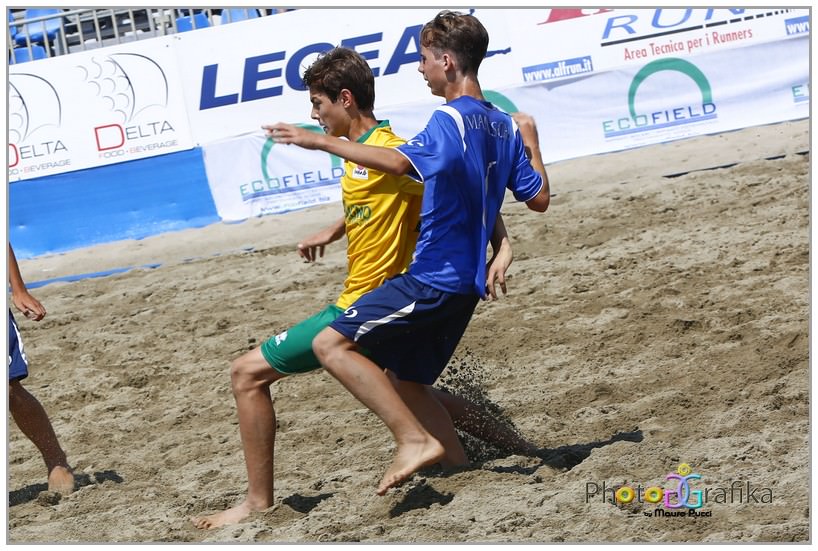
[(419, 497), (568, 457), (563, 458), (32, 491), (304, 504)]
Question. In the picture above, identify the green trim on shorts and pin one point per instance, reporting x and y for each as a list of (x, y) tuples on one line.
[(290, 352)]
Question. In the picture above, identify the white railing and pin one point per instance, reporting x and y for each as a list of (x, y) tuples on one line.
[(31, 35)]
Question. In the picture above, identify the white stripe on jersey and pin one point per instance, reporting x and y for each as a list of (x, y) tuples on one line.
[(372, 324), (414, 167), (458, 120), (19, 343)]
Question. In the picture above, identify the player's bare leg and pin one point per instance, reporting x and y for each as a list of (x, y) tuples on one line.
[(33, 421), (251, 377), (369, 384), (412, 454), (422, 401), (480, 423)]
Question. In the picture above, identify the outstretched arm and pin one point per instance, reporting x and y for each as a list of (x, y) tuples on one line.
[(313, 246), (385, 159), (22, 299), (528, 131)]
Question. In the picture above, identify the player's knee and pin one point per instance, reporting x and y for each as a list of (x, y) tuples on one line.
[(396, 383), (251, 372), (326, 345), (236, 374), (322, 347), (410, 390), (12, 397), (15, 391), (242, 376)]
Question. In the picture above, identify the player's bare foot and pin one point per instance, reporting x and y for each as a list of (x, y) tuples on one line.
[(234, 515), (61, 480), (408, 459)]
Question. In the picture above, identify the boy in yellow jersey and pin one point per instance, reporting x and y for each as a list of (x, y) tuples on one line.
[(381, 218)]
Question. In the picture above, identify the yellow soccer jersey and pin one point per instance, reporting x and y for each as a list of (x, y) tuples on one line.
[(382, 214)]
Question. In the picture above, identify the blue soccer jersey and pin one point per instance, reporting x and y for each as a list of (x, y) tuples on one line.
[(466, 157)]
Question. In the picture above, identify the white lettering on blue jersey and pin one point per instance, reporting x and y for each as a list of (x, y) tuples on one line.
[(468, 154)]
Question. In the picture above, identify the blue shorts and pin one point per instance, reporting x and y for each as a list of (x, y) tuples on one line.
[(408, 327), (18, 364)]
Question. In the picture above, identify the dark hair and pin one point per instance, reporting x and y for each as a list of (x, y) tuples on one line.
[(461, 34), (341, 68)]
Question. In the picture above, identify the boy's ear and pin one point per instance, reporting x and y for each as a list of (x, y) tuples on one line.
[(449, 62), (346, 97)]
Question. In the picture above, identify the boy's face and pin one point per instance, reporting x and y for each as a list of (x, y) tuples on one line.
[(331, 115), (432, 71)]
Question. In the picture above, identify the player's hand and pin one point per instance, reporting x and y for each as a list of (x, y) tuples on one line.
[(312, 248), (309, 252), (528, 132), (29, 306), (290, 134), (528, 128), (496, 272)]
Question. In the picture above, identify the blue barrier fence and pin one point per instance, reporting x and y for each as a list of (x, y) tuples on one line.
[(129, 200)]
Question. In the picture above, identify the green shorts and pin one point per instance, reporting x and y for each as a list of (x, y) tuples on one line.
[(290, 352)]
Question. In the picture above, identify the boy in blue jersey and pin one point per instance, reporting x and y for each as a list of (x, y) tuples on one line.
[(467, 156), (342, 93)]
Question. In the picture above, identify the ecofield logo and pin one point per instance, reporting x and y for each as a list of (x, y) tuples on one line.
[(668, 116), (281, 179)]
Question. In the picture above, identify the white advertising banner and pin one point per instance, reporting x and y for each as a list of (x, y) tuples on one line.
[(95, 108), (599, 79), (546, 46), (669, 99), (658, 101), (240, 76), (251, 175)]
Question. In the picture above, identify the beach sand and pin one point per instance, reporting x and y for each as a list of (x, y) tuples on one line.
[(658, 314)]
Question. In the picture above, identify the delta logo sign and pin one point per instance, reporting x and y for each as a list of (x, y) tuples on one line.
[(130, 86), (34, 135)]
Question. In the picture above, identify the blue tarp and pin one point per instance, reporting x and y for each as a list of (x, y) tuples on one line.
[(129, 200)]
